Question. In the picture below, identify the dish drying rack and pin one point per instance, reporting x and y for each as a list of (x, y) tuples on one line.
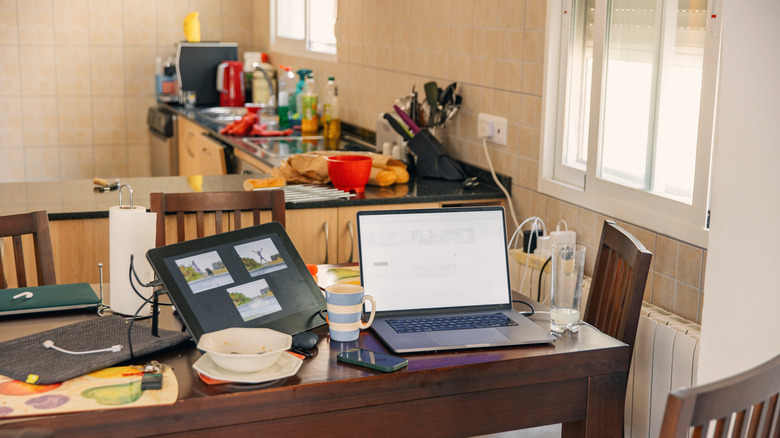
[(310, 193)]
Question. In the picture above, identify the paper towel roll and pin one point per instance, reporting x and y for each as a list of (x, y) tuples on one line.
[(131, 231)]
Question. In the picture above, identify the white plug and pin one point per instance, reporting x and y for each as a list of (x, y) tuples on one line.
[(485, 129)]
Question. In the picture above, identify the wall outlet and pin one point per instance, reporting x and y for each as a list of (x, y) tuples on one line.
[(492, 128)]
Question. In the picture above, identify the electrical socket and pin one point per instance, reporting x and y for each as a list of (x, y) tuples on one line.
[(492, 128)]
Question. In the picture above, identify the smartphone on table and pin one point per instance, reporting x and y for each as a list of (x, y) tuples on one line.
[(372, 359)]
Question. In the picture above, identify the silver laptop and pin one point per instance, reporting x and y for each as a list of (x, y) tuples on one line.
[(440, 278)]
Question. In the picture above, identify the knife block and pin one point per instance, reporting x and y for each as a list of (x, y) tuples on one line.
[(431, 161)]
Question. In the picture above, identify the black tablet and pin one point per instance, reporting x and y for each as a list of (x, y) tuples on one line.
[(253, 277)]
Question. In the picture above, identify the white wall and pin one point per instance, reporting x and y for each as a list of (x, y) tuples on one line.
[(741, 315)]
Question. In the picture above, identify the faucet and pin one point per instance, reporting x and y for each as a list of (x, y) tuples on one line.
[(271, 104)]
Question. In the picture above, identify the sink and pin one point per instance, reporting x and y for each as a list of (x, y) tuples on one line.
[(285, 146), (223, 114)]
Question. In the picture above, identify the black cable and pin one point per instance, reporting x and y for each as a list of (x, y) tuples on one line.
[(527, 304), (541, 272)]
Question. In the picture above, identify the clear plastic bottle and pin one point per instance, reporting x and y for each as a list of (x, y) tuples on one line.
[(286, 89), (331, 124), (309, 120)]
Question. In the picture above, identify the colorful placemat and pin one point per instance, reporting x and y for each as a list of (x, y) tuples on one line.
[(114, 387)]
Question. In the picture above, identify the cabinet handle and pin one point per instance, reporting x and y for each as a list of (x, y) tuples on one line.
[(325, 229), (188, 143), (351, 240)]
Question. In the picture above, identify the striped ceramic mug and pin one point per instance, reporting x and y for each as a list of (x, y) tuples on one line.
[(345, 308)]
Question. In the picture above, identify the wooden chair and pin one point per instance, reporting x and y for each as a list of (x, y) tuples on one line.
[(618, 284), (37, 225), (744, 405), (217, 202)]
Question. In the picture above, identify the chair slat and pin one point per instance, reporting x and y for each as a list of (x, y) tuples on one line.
[(35, 224), (220, 203)]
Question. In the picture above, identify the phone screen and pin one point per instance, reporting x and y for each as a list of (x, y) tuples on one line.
[(372, 359)]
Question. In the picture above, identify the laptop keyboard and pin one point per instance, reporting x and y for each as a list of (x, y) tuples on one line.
[(459, 322)]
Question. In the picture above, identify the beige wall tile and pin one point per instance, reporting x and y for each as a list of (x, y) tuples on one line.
[(107, 71), (111, 161), (75, 124), (139, 66), (648, 296), (40, 121), (78, 162), (138, 160), (105, 23), (137, 16), (663, 292), (35, 21), (689, 265), (109, 121), (37, 71), (686, 302), (535, 13), (9, 25), (10, 71), (11, 128), (11, 163), (533, 46), (73, 71), (586, 228), (42, 164), (666, 256), (71, 22)]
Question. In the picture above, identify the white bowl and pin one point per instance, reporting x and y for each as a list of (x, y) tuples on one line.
[(245, 350)]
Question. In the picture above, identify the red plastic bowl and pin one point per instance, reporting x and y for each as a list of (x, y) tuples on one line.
[(349, 172)]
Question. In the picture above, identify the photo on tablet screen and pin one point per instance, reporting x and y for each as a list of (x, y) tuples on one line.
[(254, 300), (260, 257), (204, 271)]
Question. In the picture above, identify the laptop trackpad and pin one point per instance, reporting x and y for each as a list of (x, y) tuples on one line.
[(468, 337)]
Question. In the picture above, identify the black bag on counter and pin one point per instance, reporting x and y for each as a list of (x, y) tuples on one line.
[(431, 161)]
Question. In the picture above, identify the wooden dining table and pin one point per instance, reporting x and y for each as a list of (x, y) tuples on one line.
[(579, 380)]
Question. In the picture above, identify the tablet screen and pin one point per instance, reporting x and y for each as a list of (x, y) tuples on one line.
[(253, 277)]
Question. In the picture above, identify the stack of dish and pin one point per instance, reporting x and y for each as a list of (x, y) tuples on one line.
[(246, 355)]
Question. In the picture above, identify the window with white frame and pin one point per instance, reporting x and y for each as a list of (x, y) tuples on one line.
[(304, 27), (629, 110)]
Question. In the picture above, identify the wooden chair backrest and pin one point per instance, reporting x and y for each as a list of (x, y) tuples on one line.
[(218, 202), (35, 224), (743, 405), (618, 284)]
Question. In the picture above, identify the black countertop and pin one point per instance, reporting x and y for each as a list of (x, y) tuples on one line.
[(76, 199)]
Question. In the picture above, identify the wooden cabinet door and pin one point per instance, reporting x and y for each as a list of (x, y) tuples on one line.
[(210, 155), (188, 157), (346, 233), (312, 231)]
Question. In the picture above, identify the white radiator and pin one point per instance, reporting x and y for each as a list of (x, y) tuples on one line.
[(665, 351)]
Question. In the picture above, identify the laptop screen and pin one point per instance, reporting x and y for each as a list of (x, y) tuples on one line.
[(435, 258)]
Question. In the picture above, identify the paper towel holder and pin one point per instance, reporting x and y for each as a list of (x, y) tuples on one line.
[(130, 189)]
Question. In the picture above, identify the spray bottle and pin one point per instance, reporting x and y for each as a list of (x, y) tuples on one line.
[(296, 103)]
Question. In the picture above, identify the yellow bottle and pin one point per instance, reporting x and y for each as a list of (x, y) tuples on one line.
[(309, 120)]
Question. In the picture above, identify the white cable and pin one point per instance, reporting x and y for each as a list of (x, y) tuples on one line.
[(114, 348), (500, 186)]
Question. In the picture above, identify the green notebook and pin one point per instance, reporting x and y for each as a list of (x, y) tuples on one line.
[(47, 298)]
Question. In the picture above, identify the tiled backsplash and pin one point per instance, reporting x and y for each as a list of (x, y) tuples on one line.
[(76, 78)]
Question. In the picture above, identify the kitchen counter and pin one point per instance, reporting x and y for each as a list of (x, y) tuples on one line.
[(267, 157), (76, 199)]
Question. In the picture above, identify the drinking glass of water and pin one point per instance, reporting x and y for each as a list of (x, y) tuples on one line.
[(568, 266)]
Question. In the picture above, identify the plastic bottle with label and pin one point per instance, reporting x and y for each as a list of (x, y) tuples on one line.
[(331, 123), (309, 120), (286, 96)]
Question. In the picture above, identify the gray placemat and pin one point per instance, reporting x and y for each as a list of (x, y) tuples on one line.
[(25, 358)]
